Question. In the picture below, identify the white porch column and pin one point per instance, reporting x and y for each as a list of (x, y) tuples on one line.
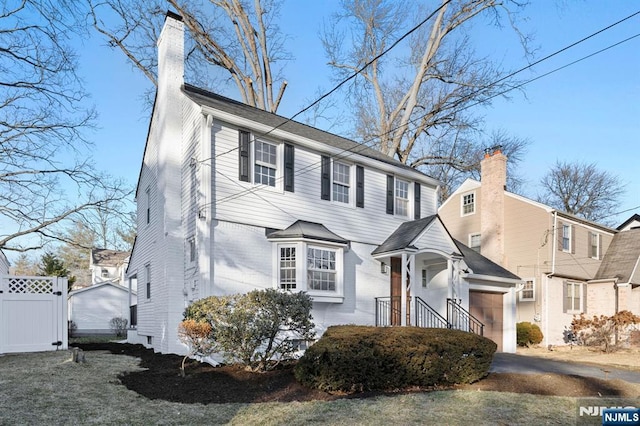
[(509, 321), (412, 282), (403, 291)]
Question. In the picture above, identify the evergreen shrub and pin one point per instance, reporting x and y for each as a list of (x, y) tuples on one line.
[(360, 358)]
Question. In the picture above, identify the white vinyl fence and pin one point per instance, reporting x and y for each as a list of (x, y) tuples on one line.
[(33, 314)]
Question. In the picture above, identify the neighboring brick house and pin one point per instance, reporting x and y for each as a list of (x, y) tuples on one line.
[(556, 253), (232, 198)]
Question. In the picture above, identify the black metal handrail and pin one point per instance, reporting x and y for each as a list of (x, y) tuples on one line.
[(428, 317), (388, 311), (461, 319)]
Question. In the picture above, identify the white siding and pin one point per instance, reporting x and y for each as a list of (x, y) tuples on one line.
[(272, 207), (243, 262), (92, 309)]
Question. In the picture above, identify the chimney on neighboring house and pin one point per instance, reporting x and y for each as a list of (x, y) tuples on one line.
[(493, 171)]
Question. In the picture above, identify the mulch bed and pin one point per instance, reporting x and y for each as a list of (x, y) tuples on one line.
[(206, 384)]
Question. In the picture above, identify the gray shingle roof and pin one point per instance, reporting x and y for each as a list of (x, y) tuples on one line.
[(481, 265), (402, 237), (621, 257), (203, 97), (310, 230), (105, 257), (405, 235)]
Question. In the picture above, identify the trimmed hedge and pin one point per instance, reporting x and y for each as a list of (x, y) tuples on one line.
[(528, 334), (361, 358)]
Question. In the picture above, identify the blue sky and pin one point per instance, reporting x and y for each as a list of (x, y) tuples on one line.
[(588, 112)]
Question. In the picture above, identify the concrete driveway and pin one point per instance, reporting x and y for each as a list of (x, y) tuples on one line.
[(514, 363)]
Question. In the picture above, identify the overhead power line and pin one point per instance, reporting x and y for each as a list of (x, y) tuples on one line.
[(364, 145)]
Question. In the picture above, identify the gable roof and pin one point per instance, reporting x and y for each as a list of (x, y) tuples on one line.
[(100, 285), (105, 257), (404, 236), (239, 109), (304, 229), (472, 184), (634, 218), (622, 259), (480, 265)]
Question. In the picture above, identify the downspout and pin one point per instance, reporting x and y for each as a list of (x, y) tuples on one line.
[(546, 281)]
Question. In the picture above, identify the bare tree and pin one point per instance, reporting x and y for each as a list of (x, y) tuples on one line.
[(238, 37), (45, 177), (582, 190), (415, 105)]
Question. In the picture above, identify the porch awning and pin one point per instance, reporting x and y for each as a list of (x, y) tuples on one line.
[(306, 230), (403, 237)]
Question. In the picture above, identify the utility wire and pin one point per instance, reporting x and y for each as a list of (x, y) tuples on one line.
[(362, 146)]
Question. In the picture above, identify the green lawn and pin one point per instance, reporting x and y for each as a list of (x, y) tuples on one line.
[(48, 388)]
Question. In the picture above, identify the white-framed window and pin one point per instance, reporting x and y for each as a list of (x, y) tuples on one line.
[(266, 163), (321, 269), (191, 246), (341, 182), (401, 198), (475, 242), (528, 292), (594, 245), (573, 297), (468, 204), (287, 270), (311, 267), (566, 237), (425, 278)]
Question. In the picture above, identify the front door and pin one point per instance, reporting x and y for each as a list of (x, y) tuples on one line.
[(396, 290)]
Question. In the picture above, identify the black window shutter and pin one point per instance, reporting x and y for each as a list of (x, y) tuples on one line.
[(359, 186), (560, 235), (243, 147), (390, 189), (288, 167), (325, 183), (416, 200)]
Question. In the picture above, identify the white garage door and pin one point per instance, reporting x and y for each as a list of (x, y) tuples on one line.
[(33, 314)]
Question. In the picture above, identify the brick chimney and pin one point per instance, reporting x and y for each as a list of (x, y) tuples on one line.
[(493, 171)]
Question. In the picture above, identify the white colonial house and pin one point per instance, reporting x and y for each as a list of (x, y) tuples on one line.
[(232, 198)]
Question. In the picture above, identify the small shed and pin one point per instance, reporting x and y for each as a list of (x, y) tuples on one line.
[(92, 308)]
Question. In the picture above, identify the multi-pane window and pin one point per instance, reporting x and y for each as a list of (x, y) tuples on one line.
[(474, 242), (566, 237), (265, 163), (288, 268), (104, 273), (425, 278), (402, 198), (573, 296), (528, 291), (341, 182), (469, 203), (321, 269), (594, 241)]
